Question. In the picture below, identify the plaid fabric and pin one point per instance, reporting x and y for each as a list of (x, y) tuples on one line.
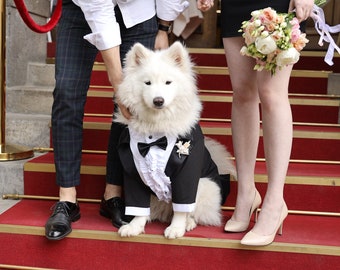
[(74, 61)]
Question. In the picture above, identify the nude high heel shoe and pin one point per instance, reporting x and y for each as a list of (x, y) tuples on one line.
[(253, 239), (241, 226)]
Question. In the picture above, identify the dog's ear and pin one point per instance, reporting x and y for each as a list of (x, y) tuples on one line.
[(180, 55), (136, 55)]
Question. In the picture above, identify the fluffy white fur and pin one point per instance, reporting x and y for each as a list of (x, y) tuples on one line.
[(167, 74), (159, 88)]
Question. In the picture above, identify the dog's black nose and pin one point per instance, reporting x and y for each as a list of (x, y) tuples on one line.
[(158, 101)]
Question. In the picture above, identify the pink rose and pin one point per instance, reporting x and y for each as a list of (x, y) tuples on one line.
[(248, 37), (276, 35), (295, 35), (295, 23), (270, 27), (301, 42), (268, 16)]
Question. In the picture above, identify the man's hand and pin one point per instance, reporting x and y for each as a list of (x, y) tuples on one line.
[(113, 65), (162, 40), (162, 37)]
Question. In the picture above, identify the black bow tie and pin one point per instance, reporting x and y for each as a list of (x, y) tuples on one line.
[(145, 147)]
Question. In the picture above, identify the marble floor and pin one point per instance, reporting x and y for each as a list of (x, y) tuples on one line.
[(6, 204)]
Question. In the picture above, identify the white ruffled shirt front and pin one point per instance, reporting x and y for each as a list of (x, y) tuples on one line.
[(151, 168)]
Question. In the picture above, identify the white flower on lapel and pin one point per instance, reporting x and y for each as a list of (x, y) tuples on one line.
[(183, 149)]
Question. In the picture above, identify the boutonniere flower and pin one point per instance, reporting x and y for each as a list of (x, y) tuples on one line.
[(273, 39), (183, 148)]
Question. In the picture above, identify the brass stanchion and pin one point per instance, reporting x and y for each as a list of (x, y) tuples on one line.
[(7, 152)]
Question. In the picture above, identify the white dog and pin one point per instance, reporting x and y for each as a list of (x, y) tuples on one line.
[(163, 150)]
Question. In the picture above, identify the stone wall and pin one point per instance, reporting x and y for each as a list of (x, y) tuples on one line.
[(22, 44), (27, 105)]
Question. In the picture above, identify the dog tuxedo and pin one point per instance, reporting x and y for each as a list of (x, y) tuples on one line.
[(168, 167)]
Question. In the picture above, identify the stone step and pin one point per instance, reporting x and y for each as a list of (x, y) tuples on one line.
[(11, 177), (28, 108), (29, 99), (40, 74), (30, 130)]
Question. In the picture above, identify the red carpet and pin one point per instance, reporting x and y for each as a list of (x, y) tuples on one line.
[(75, 253), (297, 229), (85, 254)]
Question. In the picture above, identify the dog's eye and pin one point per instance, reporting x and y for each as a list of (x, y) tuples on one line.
[(168, 82), (147, 83)]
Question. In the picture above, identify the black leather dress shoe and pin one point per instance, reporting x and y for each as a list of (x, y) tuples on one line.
[(59, 224), (114, 209)]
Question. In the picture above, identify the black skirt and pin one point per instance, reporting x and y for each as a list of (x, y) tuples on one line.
[(234, 12)]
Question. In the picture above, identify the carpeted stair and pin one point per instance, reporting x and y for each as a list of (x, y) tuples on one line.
[(311, 235)]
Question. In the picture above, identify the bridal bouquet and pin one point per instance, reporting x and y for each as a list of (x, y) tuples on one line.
[(273, 39)]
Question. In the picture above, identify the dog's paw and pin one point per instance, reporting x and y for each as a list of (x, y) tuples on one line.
[(134, 228), (130, 230), (172, 232), (190, 224)]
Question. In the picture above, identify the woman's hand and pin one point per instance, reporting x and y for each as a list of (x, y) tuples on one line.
[(204, 5), (125, 111), (303, 8)]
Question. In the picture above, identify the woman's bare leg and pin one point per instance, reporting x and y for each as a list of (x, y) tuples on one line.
[(245, 123)]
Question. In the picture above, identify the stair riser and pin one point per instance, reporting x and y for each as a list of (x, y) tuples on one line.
[(298, 196), (301, 85), (11, 177), (31, 130), (305, 62), (100, 143), (99, 105), (315, 114), (301, 113), (44, 184), (98, 254), (35, 77), (25, 100), (305, 149), (222, 110), (297, 85)]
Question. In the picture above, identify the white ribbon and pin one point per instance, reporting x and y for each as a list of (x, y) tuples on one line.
[(324, 31)]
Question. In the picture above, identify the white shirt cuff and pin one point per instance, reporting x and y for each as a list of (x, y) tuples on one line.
[(188, 208), (137, 211), (105, 39)]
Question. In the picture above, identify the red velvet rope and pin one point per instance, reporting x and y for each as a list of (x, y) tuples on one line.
[(32, 24)]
